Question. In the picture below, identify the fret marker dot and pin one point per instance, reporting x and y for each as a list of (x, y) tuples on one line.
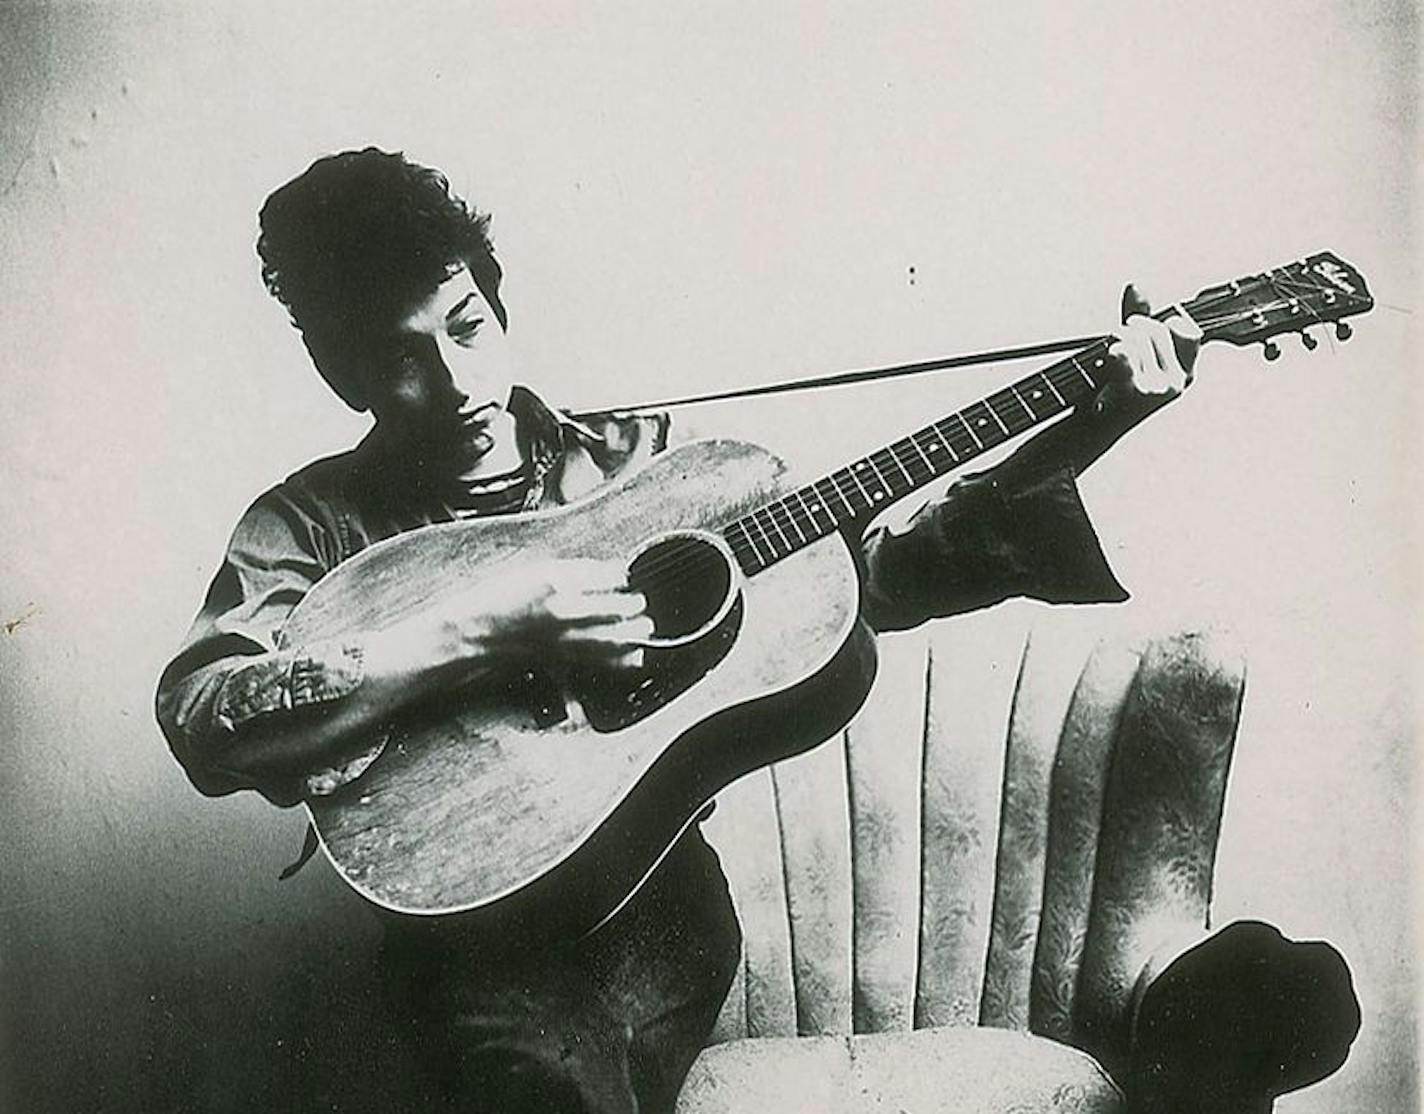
[(878, 496), (1035, 394), (983, 421), (1097, 363)]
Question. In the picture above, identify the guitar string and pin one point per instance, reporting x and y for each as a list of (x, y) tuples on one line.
[(658, 570)]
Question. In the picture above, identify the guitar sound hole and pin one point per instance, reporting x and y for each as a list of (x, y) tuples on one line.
[(696, 608), (688, 583)]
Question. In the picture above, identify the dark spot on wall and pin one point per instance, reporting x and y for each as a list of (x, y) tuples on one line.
[(11, 625)]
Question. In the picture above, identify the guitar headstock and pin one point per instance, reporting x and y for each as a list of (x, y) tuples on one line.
[(1318, 290)]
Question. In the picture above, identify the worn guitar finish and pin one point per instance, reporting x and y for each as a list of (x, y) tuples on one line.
[(505, 793), (542, 798)]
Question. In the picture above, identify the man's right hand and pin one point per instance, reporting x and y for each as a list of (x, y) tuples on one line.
[(571, 611)]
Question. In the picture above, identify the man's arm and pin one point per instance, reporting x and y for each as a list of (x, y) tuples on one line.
[(229, 673), (241, 713), (1020, 529)]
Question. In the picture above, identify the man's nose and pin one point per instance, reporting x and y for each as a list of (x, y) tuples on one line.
[(454, 361)]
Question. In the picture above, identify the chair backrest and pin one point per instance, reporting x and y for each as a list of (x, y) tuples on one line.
[(1004, 836)]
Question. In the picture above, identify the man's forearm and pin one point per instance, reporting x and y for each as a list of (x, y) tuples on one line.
[(1081, 438), (296, 741)]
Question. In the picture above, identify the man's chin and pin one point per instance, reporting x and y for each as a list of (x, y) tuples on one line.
[(470, 461), (455, 458)]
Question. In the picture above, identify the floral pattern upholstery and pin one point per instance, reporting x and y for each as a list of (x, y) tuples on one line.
[(1005, 837)]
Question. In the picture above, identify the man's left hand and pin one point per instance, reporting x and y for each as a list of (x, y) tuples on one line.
[(1154, 359)]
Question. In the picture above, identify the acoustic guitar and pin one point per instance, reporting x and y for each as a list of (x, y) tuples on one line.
[(541, 798)]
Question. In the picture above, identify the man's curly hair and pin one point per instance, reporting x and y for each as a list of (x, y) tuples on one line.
[(356, 240)]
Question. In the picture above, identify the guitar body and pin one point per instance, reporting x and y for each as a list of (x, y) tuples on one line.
[(541, 800)]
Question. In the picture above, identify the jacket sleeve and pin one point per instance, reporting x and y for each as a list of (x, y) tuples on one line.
[(231, 676), (994, 536), (1017, 529)]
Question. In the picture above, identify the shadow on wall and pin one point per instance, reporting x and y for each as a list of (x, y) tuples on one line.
[(284, 1012)]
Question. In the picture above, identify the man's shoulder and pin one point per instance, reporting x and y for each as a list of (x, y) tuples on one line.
[(327, 476), (316, 491)]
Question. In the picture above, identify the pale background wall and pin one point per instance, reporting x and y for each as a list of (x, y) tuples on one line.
[(686, 196)]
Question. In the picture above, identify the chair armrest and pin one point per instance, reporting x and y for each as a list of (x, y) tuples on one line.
[(1236, 1020)]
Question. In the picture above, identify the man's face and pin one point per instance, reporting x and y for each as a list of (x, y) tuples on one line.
[(441, 379)]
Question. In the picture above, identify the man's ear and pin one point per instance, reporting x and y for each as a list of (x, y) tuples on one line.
[(336, 371)]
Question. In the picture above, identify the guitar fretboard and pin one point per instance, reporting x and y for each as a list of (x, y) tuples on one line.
[(865, 486), (1319, 289)]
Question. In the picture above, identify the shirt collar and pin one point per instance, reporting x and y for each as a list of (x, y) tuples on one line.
[(540, 421)]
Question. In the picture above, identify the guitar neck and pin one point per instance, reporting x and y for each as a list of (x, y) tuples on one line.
[(863, 487), (1313, 291)]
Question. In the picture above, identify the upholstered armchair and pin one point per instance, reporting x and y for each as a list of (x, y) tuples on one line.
[(991, 893)]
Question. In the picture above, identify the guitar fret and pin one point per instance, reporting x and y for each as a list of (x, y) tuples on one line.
[(736, 534), (1034, 392), (994, 413), (855, 479), (796, 503), (845, 502), (746, 540), (770, 513), (847, 488), (973, 445), (1033, 416), (730, 533), (909, 479), (945, 442), (968, 429), (1061, 400), (908, 465), (988, 432), (770, 545), (759, 538), (884, 491), (809, 509), (1066, 380), (923, 455), (1027, 409), (766, 516), (786, 512)]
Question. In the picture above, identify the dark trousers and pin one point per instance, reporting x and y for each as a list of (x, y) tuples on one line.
[(605, 1025)]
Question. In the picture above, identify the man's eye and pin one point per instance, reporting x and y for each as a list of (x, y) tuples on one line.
[(463, 332)]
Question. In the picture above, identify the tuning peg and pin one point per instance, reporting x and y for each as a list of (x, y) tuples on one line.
[(1343, 330), (1309, 341), (1271, 350)]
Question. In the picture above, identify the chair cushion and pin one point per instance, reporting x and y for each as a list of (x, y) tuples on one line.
[(957, 1070)]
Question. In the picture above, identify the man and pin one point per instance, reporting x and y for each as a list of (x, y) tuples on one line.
[(395, 289)]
